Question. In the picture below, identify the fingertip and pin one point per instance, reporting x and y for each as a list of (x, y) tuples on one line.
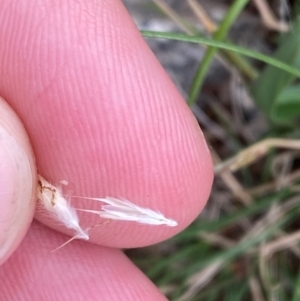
[(17, 182), (118, 125)]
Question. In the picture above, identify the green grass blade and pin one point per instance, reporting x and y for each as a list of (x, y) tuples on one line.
[(199, 40), (233, 12), (275, 91), (296, 294)]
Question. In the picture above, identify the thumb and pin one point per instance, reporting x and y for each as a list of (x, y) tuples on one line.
[(17, 181)]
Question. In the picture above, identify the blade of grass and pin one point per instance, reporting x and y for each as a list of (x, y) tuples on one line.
[(217, 287), (296, 293), (227, 220), (238, 293), (238, 250), (192, 250), (199, 40), (242, 64), (274, 91), (233, 12), (189, 29)]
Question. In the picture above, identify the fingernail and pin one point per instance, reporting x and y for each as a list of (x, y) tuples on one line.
[(17, 197)]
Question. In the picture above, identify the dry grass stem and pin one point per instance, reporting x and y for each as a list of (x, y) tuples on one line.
[(199, 280), (213, 129), (256, 290), (167, 289), (269, 18), (295, 249), (202, 278), (272, 216), (216, 240), (168, 11), (254, 152), (272, 186), (233, 184), (281, 244), (281, 167), (203, 17), (263, 271)]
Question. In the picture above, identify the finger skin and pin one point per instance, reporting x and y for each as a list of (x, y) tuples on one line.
[(76, 272), (102, 114), (17, 181)]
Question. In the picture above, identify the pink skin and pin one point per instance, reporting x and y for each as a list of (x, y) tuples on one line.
[(103, 115), (80, 271)]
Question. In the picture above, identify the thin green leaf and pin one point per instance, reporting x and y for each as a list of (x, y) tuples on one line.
[(287, 105), (209, 42), (270, 88), (296, 293), (233, 12)]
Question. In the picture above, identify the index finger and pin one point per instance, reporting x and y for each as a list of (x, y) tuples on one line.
[(102, 114)]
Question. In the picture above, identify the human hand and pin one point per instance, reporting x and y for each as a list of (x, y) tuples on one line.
[(101, 114)]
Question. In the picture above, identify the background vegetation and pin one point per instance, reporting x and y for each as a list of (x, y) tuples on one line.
[(245, 245)]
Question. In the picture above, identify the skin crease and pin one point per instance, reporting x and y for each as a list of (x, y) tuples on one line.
[(102, 114)]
